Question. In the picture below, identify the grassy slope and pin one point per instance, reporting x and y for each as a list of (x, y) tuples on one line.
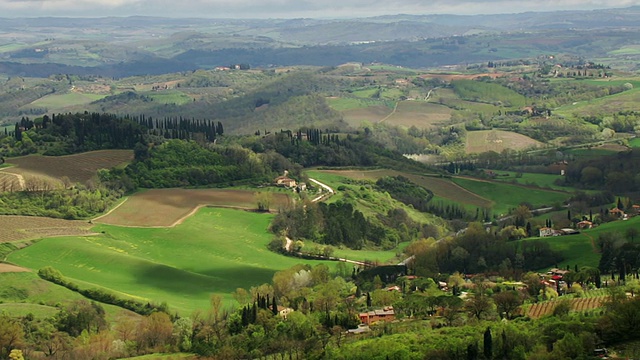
[(369, 202), (215, 251), (24, 292), (60, 101), (581, 249), (444, 189), (624, 101), (508, 196), (541, 180)]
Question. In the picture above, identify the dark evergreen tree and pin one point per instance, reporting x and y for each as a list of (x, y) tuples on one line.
[(488, 344)]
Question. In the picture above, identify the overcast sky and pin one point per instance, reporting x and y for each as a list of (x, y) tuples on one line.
[(288, 8)]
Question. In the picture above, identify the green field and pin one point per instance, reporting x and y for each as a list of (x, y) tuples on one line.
[(350, 103), (581, 249), (635, 142), (508, 196), (22, 293), (591, 153), (214, 251), (380, 256), (369, 201), (169, 97), (443, 189), (624, 101), (23, 309), (540, 180), (59, 101)]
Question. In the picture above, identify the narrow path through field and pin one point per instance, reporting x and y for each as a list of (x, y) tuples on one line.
[(497, 182), (593, 243), (472, 193), (429, 93), (110, 211), (391, 114), (287, 246)]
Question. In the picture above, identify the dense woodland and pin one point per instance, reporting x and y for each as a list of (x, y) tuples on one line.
[(616, 173)]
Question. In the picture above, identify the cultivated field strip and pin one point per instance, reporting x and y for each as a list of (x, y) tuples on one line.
[(441, 187), (582, 304), (498, 140), (78, 167), (9, 182), (168, 207), (16, 228)]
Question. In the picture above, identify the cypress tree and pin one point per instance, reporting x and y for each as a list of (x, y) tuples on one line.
[(488, 344), (274, 306)]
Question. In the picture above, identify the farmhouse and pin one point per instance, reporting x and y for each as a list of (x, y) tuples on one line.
[(387, 314), (547, 231), (585, 224), (616, 212), (285, 181), (284, 312)]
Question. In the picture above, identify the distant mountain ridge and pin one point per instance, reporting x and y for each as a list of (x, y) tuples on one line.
[(139, 45)]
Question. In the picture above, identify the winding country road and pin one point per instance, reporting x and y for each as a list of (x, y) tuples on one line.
[(316, 199)]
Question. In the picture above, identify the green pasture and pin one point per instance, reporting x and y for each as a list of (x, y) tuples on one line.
[(444, 190), (582, 249), (540, 180), (487, 92), (366, 93), (635, 142), (611, 82), (624, 101), (393, 69), (378, 93), (12, 47), (24, 309), (215, 251), (380, 256), (448, 97), (575, 249), (508, 196), (626, 50), (369, 201), (58, 101), (583, 153), (169, 97), (350, 103), (22, 293)]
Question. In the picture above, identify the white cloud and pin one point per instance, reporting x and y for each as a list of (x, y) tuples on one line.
[(287, 8)]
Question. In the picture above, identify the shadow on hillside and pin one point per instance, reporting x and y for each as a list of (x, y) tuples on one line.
[(227, 280)]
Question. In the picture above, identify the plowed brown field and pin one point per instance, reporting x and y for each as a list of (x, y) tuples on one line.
[(441, 187), (77, 167), (15, 228), (168, 207)]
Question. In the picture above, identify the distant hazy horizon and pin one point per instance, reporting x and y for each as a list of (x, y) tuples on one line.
[(286, 9)]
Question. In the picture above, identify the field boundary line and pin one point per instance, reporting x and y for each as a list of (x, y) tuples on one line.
[(110, 211), (471, 192), (391, 114), (525, 186), (191, 213)]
